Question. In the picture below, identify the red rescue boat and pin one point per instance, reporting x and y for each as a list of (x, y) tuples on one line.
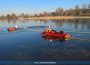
[(56, 34)]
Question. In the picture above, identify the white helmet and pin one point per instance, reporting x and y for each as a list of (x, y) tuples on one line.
[(49, 27), (16, 26)]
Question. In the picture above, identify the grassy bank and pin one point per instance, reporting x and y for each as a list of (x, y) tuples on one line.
[(58, 17)]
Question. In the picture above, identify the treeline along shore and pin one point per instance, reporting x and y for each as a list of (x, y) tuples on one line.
[(57, 17), (49, 17), (59, 13)]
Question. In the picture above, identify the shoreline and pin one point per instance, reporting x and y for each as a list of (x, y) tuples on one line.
[(57, 17)]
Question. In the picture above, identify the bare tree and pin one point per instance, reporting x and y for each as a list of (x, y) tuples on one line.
[(77, 10), (14, 17), (84, 6), (9, 17), (89, 6), (60, 11), (77, 7)]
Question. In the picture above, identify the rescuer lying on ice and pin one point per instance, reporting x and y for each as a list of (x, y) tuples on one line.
[(12, 28)]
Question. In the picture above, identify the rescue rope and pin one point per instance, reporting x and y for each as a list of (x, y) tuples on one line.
[(80, 39), (78, 32)]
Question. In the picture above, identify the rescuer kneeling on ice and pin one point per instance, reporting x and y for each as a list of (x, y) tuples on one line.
[(47, 29)]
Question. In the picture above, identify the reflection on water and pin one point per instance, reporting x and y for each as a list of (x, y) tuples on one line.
[(28, 44), (49, 38), (76, 24)]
